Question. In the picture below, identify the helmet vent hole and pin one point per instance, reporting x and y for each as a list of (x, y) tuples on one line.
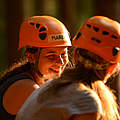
[(115, 51), (37, 26), (105, 33), (43, 36), (113, 36), (31, 23), (42, 29), (96, 29), (88, 25), (97, 40), (78, 35)]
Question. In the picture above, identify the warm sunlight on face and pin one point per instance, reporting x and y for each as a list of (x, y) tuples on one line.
[(52, 61)]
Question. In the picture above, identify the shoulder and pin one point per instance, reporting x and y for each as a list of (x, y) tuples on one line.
[(17, 93), (24, 84), (84, 99), (75, 97), (21, 87)]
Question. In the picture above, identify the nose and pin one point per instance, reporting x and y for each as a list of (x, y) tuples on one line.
[(60, 60)]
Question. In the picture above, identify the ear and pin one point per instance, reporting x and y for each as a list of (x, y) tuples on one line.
[(30, 56)]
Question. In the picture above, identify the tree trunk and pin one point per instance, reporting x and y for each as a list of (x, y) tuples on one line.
[(67, 14), (14, 15)]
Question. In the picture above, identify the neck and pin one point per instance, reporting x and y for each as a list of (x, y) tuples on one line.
[(39, 79)]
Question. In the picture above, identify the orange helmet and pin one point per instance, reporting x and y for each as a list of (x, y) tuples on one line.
[(101, 36), (43, 31)]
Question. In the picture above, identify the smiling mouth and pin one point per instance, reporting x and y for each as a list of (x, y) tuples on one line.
[(55, 71)]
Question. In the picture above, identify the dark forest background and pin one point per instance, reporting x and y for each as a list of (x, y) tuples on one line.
[(71, 12)]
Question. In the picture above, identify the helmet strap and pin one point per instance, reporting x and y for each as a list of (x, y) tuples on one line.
[(75, 55), (110, 71), (37, 62)]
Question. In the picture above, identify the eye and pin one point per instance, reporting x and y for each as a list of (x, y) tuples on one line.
[(51, 56)]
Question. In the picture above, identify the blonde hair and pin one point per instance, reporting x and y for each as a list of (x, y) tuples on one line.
[(108, 100), (95, 79)]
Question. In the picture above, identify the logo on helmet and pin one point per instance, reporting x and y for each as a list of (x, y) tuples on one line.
[(56, 37)]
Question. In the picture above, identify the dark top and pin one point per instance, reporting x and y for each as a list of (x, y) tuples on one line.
[(4, 115)]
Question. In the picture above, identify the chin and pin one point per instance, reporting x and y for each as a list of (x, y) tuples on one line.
[(57, 75)]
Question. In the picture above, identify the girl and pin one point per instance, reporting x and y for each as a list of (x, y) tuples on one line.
[(46, 40)]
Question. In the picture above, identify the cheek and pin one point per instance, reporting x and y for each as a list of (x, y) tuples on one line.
[(44, 68), (43, 65)]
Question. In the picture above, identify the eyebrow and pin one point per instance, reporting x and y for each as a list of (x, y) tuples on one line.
[(54, 52), (51, 52)]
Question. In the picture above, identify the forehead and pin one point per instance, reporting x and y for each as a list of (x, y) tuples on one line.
[(54, 50)]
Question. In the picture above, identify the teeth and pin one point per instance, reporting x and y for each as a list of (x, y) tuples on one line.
[(53, 70)]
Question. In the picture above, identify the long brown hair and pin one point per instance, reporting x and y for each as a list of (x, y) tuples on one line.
[(22, 65)]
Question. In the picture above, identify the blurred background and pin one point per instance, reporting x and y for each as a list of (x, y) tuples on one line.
[(71, 12)]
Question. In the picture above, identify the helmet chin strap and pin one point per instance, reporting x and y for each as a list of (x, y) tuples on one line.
[(36, 69), (111, 70)]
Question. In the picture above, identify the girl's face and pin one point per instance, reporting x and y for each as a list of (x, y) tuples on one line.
[(52, 61)]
